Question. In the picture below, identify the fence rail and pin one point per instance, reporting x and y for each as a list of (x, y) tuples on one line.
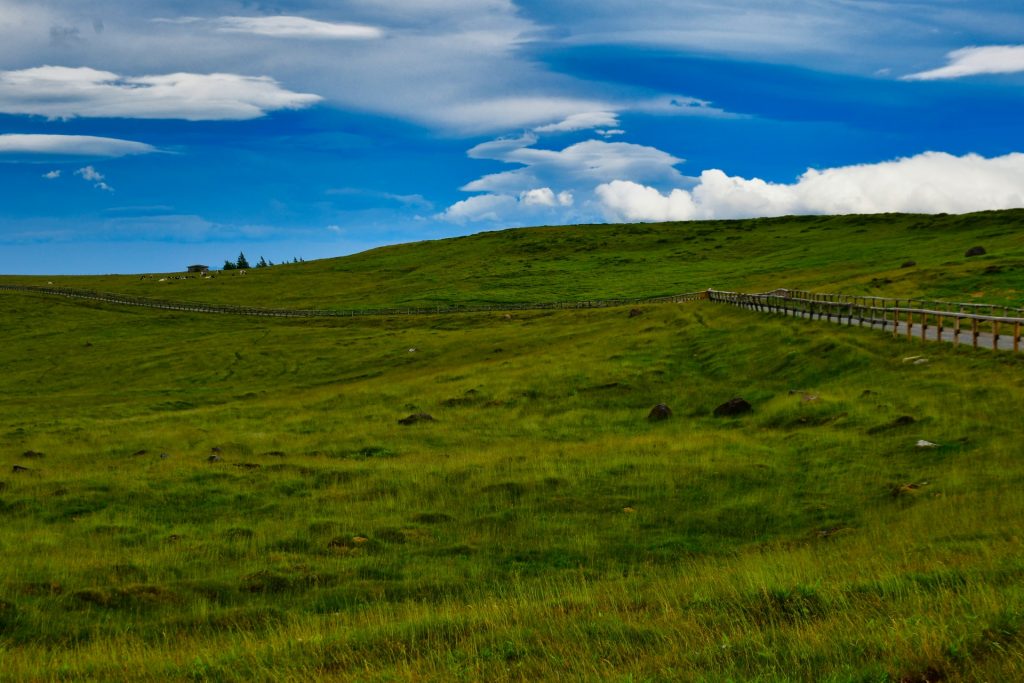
[(939, 321), (227, 309), (974, 323)]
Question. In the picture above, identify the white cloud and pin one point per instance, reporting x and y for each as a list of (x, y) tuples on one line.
[(624, 200), (91, 175), (52, 175), (976, 61), (545, 196), (462, 67), (932, 182), (677, 105), (483, 207), (64, 92), (584, 163), (535, 204), (296, 27), (503, 112), (21, 147), (581, 121)]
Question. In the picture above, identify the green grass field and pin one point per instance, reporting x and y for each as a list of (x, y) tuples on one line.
[(539, 528), (854, 254)]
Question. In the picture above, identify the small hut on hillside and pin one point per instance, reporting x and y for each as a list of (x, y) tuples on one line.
[(198, 269)]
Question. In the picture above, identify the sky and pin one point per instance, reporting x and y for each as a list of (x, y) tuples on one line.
[(145, 136)]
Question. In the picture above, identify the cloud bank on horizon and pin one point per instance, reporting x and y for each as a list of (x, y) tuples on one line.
[(498, 112)]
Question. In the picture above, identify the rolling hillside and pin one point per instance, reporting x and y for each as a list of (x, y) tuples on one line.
[(199, 497), (854, 254)]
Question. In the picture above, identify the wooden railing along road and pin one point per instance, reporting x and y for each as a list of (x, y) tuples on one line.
[(980, 325)]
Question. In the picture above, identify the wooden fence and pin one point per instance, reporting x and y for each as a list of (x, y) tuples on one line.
[(977, 324), (980, 325), (196, 307)]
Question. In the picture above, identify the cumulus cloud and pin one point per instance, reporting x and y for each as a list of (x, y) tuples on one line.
[(296, 27), (483, 207), (63, 92), (545, 196), (31, 147), (90, 174), (583, 163), (976, 61), (52, 175), (932, 182)]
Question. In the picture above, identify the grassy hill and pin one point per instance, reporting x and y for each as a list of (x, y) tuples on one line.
[(539, 527), (855, 254)]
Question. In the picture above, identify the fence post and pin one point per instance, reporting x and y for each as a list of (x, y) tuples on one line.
[(1016, 337), (910, 324), (995, 335), (974, 331)]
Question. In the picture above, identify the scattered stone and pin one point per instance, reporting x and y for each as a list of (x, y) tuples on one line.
[(413, 349), (629, 510), (416, 417), (911, 359), (809, 398), (432, 518), (901, 421), (164, 456), (659, 412), (832, 531), (926, 444), (635, 312), (33, 454), (975, 251), (734, 406), (907, 489), (215, 449), (20, 468), (213, 458), (929, 675), (507, 316), (921, 361), (908, 264)]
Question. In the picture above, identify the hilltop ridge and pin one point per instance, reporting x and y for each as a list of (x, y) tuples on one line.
[(860, 254)]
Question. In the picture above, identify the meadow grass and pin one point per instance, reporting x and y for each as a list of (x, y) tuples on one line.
[(539, 528), (851, 254)]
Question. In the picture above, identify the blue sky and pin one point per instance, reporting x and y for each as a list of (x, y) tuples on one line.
[(144, 136)]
